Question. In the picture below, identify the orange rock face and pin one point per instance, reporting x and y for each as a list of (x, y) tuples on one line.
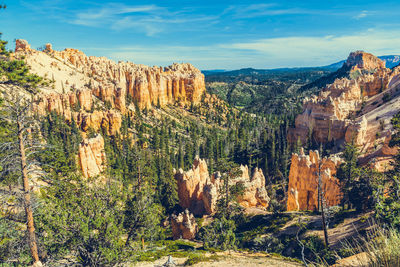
[(77, 106), (199, 192), (113, 82), (92, 157), (96, 92), (326, 117), (303, 181), (184, 226)]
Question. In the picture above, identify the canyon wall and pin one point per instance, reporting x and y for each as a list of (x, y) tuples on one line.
[(356, 108), (338, 106), (199, 192), (115, 82), (95, 92), (303, 181)]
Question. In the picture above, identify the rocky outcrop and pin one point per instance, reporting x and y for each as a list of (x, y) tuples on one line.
[(113, 82), (184, 226), (77, 107), (327, 116), (362, 60), (199, 192), (303, 181), (92, 157)]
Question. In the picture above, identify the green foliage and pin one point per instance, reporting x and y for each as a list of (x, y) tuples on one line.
[(12, 245), (82, 221), (219, 234), (251, 228), (197, 258), (63, 140), (265, 91), (386, 97), (142, 216), (387, 206), (381, 247), (358, 183)]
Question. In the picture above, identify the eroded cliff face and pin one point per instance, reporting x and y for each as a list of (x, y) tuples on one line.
[(352, 108), (356, 108), (95, 92), (114, 82), (303, 181), (92, 157), (199, 192)]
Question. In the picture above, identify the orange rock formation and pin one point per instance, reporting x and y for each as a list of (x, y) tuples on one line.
[(327, 117), (303, 181), (71, 69), (92, 157), (352, 109), (95, 92), (199, 192), (184, 226)]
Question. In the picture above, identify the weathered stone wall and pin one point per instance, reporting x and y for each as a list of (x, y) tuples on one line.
[(303, 181), (199, 192)]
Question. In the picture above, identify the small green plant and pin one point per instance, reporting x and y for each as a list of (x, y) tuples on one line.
[(196, 258)]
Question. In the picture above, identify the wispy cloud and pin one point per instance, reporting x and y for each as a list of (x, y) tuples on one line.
[(260, 10), (295, 51), (315, 50), (150, 19), (362, 14)]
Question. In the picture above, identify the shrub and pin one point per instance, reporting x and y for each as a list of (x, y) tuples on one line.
[(219, 234)]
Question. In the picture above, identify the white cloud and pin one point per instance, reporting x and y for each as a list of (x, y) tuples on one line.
[(362, 14), (296, 51), (260, 10), (150, 19)]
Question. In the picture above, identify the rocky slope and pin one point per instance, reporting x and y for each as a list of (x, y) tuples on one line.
[(95, 92), (355, 108), (199, 192)]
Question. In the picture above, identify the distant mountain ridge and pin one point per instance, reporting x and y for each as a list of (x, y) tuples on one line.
[(390, 61)]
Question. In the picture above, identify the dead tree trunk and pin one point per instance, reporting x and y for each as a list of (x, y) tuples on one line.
[(17, 112), (27, 197), (321, 204)]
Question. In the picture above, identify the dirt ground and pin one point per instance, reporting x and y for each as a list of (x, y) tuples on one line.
[(234, 259)]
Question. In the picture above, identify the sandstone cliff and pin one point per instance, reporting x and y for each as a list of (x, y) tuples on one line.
[(71, 69), (352, 108), (303, 181), (356, 108), (199, 192), (95, 92)]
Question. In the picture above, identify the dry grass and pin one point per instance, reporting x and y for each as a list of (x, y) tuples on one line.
[(381, 247)]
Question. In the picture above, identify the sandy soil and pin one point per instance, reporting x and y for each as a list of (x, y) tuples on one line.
[(235, 259)]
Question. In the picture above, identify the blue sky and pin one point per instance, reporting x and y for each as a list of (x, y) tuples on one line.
[(209, 34)]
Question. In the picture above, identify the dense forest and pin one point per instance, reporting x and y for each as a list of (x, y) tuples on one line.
[(277, 91)]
